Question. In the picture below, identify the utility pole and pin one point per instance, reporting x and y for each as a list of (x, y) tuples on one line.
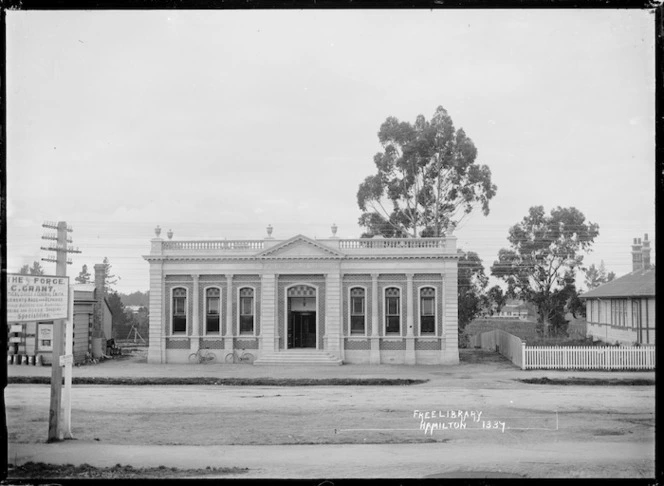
[(61, 262)]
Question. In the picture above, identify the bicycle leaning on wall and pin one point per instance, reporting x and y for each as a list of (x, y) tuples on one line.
[(236, 357), (203, 355)]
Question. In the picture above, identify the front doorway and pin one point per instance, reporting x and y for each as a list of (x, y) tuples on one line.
[(301, 317), (302, 330)]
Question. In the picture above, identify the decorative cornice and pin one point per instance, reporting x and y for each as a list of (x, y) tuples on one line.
[(218, 258)]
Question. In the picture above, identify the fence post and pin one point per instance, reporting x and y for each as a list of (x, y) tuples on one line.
[(523, 355)]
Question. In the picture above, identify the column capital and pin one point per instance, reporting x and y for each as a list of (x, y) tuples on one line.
[(374, 276), (195, 276), (229, 277), (410, 276)]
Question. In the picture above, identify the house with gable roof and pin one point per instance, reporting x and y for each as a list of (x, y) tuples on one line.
[(623, 310)]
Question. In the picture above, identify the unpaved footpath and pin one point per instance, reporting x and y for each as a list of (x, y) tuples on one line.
[(552, 460), (358, 431)]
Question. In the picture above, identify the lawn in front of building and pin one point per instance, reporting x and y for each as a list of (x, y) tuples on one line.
[(526, 330)]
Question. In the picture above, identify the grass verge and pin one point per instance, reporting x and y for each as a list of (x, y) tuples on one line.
[(43, 380), (589, 381), (86, 471)]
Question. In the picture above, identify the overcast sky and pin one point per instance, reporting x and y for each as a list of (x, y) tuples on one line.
[(218, 123)]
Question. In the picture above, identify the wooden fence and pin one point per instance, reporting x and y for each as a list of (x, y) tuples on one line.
[(565, 358)]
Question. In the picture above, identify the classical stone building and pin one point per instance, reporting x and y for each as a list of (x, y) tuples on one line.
[(333, 300)]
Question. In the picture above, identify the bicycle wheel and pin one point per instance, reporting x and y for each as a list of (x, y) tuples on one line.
[(248, 357), (193, 358), (210, 357), (230, 358)]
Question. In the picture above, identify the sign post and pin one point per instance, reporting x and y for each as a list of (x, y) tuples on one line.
[(43, 298), (68, 361)]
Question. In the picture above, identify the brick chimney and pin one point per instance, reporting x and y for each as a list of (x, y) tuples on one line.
[(637, 255), (645, 251), (100, 278)]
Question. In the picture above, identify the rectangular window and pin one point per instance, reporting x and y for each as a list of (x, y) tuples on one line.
[(392, 311), (212, 313), (357, 312), (246, 311), (427, 317), (179, 311), (636, 314)]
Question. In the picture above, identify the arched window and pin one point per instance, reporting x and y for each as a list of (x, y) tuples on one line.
[(427, 310), (246, 310), (179, 311), (212, 310), (357, 310), (392, 310)]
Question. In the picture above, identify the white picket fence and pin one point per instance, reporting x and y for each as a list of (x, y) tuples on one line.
[(566, 358), (589, 358)]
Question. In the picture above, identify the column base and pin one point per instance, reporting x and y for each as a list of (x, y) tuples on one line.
[(374, 356), (410, 358), (194, 343), (449, 355), (228, 344), (154, 355)]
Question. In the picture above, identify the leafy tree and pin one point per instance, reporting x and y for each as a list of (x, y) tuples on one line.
[(83, 276), (117, 309), (596, 276), (495, 299), (135, 298), (540, 265), (36, 269), (109, 280), (427, 179), (471, 286)]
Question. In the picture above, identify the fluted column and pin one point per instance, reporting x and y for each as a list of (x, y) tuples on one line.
[(374, 357), (410, 341), (228, 335)]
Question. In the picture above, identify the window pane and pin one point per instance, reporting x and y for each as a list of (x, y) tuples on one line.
[(179, 324), (178, 305), (357, 306), (427, 306), (357, 325), (212, 323), (213, 305), (428, 324), (246, 306), (392, 324), (246, 324), (393, 305)]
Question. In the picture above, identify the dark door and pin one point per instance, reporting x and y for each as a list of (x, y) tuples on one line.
[(302, 330)]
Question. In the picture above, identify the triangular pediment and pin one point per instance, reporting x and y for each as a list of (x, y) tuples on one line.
[(300, 247)]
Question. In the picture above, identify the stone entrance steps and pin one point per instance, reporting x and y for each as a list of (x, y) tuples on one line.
[(306, 357)]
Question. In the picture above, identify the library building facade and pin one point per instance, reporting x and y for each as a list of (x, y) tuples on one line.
[(305, 301)]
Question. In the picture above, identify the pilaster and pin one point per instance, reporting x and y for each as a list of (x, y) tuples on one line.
[(228, 335), (333, 331), (449, 346), (410, 341), (158, 321), (374, 356), (269, 338)]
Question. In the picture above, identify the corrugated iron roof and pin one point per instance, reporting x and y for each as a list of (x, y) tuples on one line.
[(640, 283)]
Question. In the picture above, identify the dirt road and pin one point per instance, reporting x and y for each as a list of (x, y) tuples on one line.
[(535, 430)]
